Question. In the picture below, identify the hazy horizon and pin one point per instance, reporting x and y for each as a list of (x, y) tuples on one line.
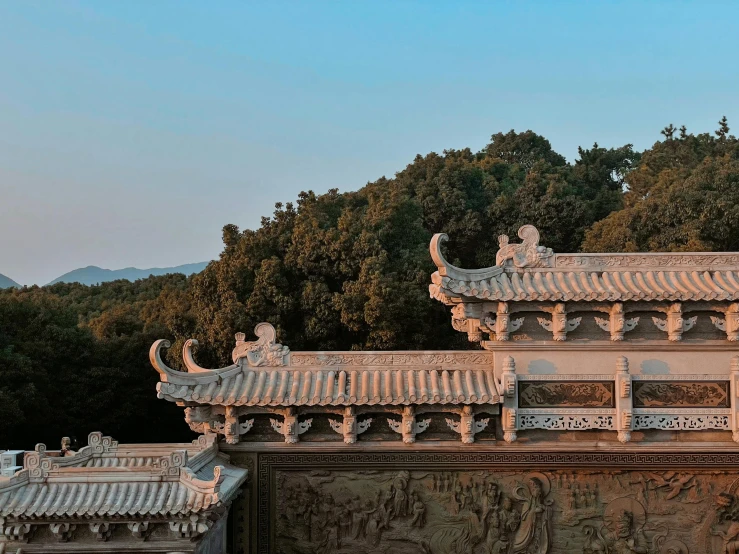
[(132, 132)]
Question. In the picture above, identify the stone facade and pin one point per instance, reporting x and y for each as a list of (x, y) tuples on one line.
[(597, 413)]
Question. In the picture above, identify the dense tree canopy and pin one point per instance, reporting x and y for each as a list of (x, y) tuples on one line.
[(349, 271)]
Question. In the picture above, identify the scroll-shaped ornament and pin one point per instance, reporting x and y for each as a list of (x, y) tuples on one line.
[(264, 352), (526, 254)]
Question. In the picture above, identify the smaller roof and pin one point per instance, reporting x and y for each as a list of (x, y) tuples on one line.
[(105, 479), (530, 272), (329, 379)]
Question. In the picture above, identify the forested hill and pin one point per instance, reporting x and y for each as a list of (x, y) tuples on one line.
[(348, 271)]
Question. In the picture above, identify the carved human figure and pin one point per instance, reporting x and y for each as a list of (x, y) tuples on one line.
[(623, 538), (490, 499), (533, 535), (728, 511), (418, 510), (373, 532), (400, 498)]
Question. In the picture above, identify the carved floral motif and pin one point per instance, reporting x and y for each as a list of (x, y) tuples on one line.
[(698, 394), (552, 394)]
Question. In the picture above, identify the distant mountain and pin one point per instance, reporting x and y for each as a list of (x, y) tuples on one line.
[(93, 275), (7, 282)]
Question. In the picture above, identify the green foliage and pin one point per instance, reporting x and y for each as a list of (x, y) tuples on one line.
[(683, 196), (348, 271)]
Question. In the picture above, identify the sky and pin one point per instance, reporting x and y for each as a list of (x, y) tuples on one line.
[(131, 132)]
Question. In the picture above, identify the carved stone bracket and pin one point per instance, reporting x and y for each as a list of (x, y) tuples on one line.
[(190, 528), (139, 529), (467, 426), (17, 532), (290, 427), (559, 325), (730, 322), (102, 530), (617, 324), (466, 319), (349, 426), (675, 325), (62, 532), (501, 327), (408, 427)]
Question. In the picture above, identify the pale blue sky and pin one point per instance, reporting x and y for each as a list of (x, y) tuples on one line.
[(132, 131)]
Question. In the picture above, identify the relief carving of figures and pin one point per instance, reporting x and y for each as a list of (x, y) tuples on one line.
[(427, 510), (533, 535)]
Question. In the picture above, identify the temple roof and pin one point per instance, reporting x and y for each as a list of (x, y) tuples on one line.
[(331, 379), (529, 272), (104, 479)]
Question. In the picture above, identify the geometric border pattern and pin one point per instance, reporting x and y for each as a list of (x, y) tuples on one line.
[(268, 463)]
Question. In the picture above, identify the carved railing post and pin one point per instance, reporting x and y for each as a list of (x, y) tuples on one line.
[(734, 391), (624, 402), (509, 392)]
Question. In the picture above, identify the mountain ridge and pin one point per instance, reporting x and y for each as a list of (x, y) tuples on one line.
[(94, 275), (7, 283)]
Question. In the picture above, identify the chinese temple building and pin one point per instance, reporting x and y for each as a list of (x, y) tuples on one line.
[(596, 412)]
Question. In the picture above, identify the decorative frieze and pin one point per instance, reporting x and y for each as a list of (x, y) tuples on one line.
[(681, 422), (684, 394), (565, 422), (553, 394)]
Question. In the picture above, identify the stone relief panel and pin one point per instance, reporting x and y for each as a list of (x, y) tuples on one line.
[(681, 394), (368, 511), (565, 394)]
